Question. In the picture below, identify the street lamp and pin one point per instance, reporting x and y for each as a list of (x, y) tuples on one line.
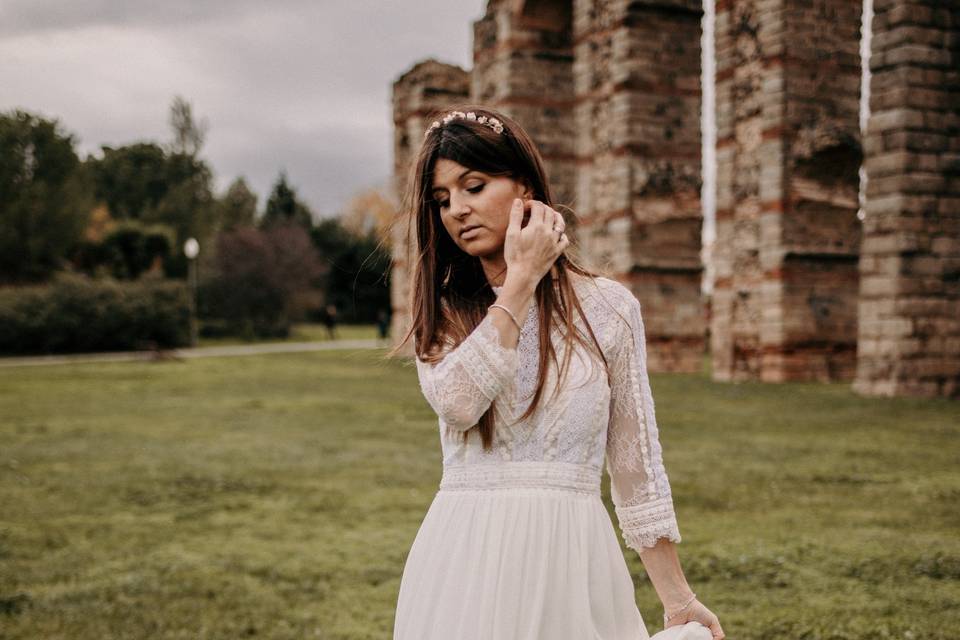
[(191, 248)]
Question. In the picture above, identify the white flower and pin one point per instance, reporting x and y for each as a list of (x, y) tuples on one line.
[(491, 122)]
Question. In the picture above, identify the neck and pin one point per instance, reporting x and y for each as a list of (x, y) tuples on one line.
[(494, 268)]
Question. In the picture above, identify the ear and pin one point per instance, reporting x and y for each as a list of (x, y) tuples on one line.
[(527, 189)]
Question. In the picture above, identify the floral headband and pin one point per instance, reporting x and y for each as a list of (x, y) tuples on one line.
[(491, 122)]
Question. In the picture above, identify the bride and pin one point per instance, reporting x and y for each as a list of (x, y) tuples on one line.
[(537, 370)]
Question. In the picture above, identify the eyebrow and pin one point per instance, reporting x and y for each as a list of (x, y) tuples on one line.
[(460, 177)]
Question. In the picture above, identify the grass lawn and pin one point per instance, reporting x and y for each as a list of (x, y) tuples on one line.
[(277, 497)]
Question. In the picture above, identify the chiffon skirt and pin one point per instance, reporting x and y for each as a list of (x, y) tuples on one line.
[(523, 551)]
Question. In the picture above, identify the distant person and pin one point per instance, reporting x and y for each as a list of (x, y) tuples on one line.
[(517, 542), (383, 324), (330, 321)]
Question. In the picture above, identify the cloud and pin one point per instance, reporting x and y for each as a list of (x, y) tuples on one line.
[(295, 85), (18, 17)]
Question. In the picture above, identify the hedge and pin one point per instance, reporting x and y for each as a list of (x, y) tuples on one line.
[(76, 314)]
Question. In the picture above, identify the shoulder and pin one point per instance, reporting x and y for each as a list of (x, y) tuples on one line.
[(606, 293), (611, 309)]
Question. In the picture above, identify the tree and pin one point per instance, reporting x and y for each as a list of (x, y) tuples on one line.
[(131, 248), (357, 279), (130, 179), (369, 212), (46, 197), (284, 206), (188, 134), (237, 207), (141, 181), (259, 279)]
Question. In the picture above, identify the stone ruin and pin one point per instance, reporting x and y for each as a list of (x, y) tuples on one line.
[(803, 289)]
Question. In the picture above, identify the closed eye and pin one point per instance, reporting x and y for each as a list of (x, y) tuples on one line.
[(443, 204)]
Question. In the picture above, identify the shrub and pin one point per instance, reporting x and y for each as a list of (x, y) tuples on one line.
[(259, 281), (77, 314)]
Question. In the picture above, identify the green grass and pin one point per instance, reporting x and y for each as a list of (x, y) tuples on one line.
[(303, 332), (277, 497)]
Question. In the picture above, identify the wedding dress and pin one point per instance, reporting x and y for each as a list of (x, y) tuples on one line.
[(517, 544)]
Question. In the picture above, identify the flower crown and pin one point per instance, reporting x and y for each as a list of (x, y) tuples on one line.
[(491, 122)]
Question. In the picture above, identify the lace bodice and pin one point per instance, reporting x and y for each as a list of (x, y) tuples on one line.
[(588, 424)]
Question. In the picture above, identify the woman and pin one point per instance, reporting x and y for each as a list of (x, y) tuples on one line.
[(537, 371)]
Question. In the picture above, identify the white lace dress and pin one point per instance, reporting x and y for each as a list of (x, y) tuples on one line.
[(517, 543)]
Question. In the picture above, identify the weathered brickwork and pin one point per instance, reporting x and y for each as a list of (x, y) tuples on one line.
[(788, 155), (523, 66), (423, 90), (803, 289), (609, 90), (909, 332), (637, 89)]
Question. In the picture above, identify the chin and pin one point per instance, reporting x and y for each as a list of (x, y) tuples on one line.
[(480, 249), (475, 248)]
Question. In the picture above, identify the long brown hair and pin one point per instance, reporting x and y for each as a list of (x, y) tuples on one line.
[(450, 293)]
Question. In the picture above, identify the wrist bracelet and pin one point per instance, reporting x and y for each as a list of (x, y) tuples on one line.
[(509, 313), (667, 618)]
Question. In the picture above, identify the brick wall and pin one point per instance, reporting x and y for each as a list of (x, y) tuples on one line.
[(788, 155), (909, 333), (427, 87)]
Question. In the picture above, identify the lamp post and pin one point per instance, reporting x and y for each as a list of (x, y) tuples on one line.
[(191, 248)]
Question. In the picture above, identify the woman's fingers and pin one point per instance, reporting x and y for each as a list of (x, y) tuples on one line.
[(544, 215), (544, 221), (536, 213), (516, 216), (537, 245)]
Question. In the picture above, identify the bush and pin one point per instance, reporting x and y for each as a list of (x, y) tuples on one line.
[(260, 282), (128, 250), (75, 314)]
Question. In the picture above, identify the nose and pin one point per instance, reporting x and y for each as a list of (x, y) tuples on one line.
[(458, 206)]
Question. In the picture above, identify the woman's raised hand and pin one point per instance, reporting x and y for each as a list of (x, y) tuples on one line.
[(530, 251)]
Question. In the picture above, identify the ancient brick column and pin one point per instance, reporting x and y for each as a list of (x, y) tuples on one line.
[(428, 87), (637, 85), (788, 156), (523, 66), (909, 333)]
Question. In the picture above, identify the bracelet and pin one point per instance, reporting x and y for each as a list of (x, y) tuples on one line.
[(509, 313), (667, 618)]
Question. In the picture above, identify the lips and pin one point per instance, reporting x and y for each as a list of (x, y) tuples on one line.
[(469, 228)]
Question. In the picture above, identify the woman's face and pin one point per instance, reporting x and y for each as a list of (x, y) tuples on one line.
[(474, 206)]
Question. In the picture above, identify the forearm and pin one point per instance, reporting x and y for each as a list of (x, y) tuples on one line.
[(516, 295), (663, 567)]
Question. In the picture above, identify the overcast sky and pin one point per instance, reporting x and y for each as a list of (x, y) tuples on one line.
[(300, 85)]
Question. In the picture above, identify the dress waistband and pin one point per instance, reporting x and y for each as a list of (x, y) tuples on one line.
[(582, 478)]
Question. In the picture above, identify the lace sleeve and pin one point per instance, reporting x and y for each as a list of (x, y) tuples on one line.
[(461, 387), (639, 485)]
